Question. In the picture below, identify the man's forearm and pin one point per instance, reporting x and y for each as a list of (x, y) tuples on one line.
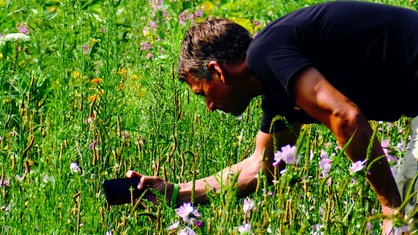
[(247, 169)]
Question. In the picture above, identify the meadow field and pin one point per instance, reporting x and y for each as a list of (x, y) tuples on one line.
[(89, 90)]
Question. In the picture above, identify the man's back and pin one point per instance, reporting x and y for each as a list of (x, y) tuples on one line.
[(367, 51)]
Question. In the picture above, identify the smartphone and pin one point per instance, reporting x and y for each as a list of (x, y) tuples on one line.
[(121, 191)]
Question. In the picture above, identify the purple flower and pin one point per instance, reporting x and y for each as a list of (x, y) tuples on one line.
[(187, 212), (93, 144), (199, 13), (22, 29), (191, 17), (287, 154), (357, 166), (182, 17), (150, 55), (248, 205), (245, 228)]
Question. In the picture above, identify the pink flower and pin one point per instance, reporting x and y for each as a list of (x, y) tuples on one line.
[(145, 46), (186, 231), (22, 29), (325, 164), (173, 226), (187, 212), (357, 166), (153, 24), (182, 17), (150, 55), (287, 154), (248, 205), (199, 13)]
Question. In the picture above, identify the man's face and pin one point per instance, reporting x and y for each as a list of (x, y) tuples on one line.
[(226, 97)]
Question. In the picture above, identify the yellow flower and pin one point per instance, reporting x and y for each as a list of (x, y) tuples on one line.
[(122, 71), (134, 77), (76, 74)]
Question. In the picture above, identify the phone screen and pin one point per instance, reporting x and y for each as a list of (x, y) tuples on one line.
[(121, 191)]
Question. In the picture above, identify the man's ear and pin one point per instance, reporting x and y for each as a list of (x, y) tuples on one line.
[(216, 70)]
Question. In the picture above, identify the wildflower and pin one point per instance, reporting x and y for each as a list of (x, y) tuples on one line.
[(145, 46), (125, 135), (325, 164), (400, 230), (75, 168), (182, 17), (97, 80), (76, 74), (173, 226), (150, 55), (153, 24), (287, 154), (199, 13), (248, 205), (13, 37), (186, 231), (357, 166), (93, 144), (245, 228), (86, 49), (318, 229), (401, 145), (5, 183), (187, 212), (23, 29), (109, 232), (191, 17)]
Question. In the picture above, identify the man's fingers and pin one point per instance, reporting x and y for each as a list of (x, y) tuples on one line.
[(131, 174)]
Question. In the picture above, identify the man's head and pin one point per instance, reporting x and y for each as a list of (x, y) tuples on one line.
[(212, 62), (215, 39)]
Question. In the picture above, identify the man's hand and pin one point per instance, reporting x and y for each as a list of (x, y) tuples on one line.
[(155, 183)]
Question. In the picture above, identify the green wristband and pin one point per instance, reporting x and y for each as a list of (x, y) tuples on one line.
[(174, 195)]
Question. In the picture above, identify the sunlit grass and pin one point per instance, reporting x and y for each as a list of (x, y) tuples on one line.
[(96, 85)]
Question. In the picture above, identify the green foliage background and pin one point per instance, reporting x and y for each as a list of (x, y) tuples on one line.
[(82, 90)]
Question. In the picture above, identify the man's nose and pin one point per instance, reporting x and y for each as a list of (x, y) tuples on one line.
[(210, 105)]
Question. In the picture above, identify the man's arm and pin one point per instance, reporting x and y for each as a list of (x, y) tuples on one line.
[(322, 101), (248, 169)]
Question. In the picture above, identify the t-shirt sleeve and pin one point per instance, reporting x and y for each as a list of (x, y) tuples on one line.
[(268, 126), (278, 55)]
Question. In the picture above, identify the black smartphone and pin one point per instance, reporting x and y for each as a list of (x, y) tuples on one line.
[(121, 191)]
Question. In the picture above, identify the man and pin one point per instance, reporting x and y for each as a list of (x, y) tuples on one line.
[(337, 63)]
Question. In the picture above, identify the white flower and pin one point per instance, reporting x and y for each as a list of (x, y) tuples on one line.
[(245, 228), (75, 168), (12, 37)]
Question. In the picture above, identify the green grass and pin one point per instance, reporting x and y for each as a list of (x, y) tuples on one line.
[(83, 78)]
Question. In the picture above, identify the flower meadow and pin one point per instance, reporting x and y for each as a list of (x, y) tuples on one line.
[(89, 90)]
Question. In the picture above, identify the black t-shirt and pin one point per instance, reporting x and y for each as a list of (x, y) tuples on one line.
[(368, 51)]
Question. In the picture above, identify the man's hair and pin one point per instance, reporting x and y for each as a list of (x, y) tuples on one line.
[(215, 39)]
